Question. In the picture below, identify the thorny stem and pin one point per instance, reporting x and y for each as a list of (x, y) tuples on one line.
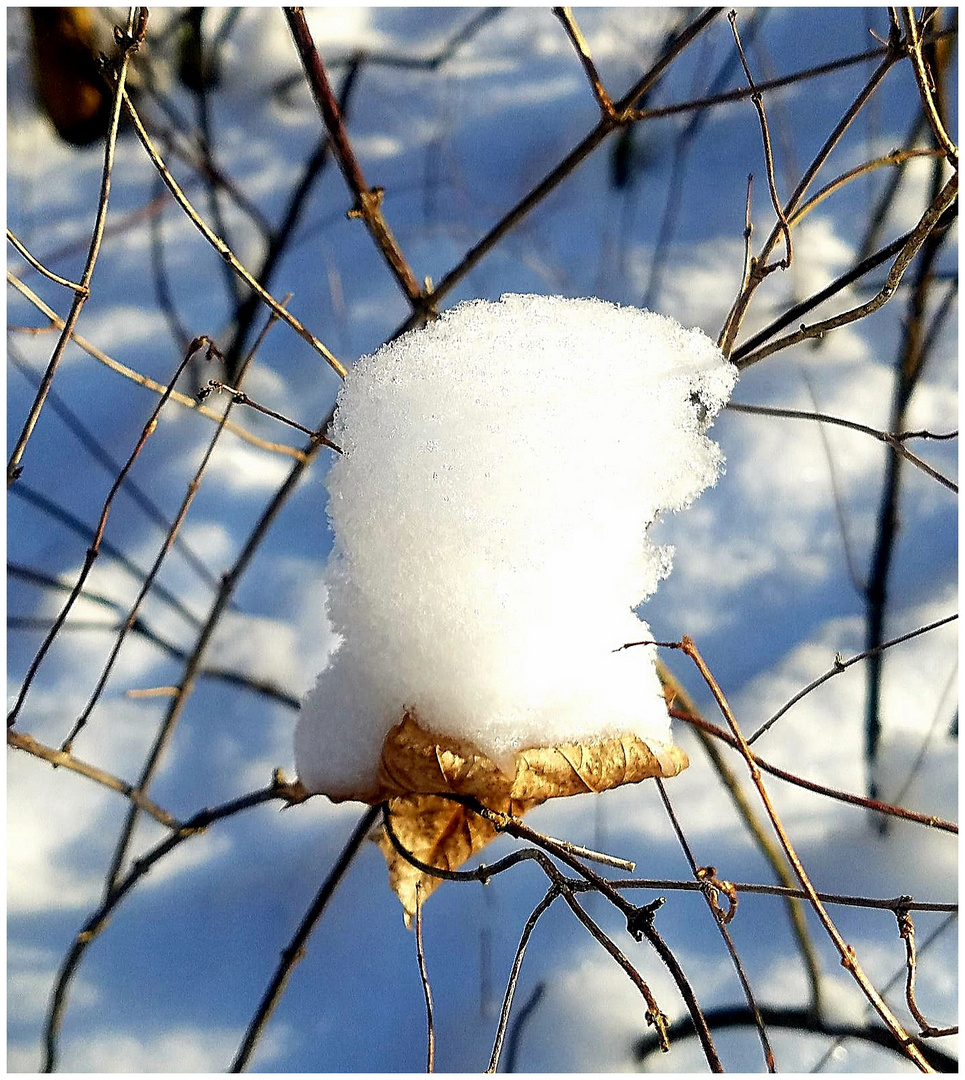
[(94, 550), (849, 959), (129, 42)]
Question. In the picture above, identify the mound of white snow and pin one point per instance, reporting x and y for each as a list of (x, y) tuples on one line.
[(499, 470)]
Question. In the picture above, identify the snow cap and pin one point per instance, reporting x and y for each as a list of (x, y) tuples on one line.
[(499, 471)]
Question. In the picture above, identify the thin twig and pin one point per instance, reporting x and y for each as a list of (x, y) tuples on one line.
[(222, 248), (368, 201), (792, 1019), (239, 397), (147, 383), (913, 48), (841, 665), (426, 989), (38, 265), (94, 550), (654, 1015), (875, 805), (896, 157), (527, 1009), (709, 890), (295, 950), (61, 760), (128, 44), (552, 893), (86, 532), (909, 365), (919, 235), (758, 102), (906, 931), (192, 668), (603, 99), (849, 959), (92, 444), (896, 440), (683, 705), (735, 317), (194, 826), (606, 126), (162, 554)]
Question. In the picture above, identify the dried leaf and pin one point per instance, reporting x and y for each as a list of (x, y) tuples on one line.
[(417, 768), (437, 832)]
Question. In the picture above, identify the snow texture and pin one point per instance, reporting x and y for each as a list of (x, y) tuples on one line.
[(499, 471)]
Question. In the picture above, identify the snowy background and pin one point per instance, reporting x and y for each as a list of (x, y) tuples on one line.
[(761, 578)]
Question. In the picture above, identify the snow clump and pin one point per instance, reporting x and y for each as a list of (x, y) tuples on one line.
[(498, 474)]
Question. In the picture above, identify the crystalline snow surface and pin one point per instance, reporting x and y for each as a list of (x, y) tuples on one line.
[(499, 471)]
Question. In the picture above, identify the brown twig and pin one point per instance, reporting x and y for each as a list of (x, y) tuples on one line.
[(919, 235), (863, 801), (38, 265), (94, 550), (426, 988), (128, 44), (791, 1019), (758, 102), (896, 440), (603, 99), (841, 665), (639, 919), (295, 950), (906, 931), (711, 886), (552, 893), (368, 201), (896, 157), (279, 789), (62, 760), (913, 45), (149, 384), (239, 397), (607, 125), (222, 248), (526, 1010), (166, 546), (849, 959), (735, 317)]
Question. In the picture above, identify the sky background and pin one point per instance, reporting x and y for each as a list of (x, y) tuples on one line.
[(760, 576)]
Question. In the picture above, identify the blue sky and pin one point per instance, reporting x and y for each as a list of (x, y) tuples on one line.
[(760, 576)]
